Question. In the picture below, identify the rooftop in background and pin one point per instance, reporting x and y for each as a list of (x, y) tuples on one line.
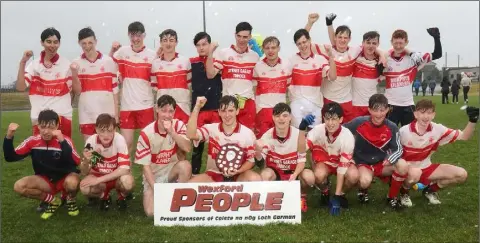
[(455, 72)]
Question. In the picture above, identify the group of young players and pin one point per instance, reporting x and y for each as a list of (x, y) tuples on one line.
[(231, 96)]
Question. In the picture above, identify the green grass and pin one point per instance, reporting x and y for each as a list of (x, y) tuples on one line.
[(455, 220)]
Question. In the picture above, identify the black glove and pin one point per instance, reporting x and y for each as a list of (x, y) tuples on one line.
[(379, 68), (434, 32), (473, 113), (330, 18), (306, 121)]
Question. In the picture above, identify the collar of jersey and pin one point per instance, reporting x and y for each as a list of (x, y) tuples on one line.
[(233, 48), (53, 60), (99, 56), (236, 130), (279, 61), (275, 133), (413, 127)]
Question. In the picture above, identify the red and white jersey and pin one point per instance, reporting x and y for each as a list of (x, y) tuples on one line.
[(173, 78), (337, 153), (364, 81), (307, 78), (418, 149), (237, 71), (281, 155), (134, 68), (216, 138), (400, 75), (99, 83), (158, 149), (340, 90), (271, 83), (49, 87), (115, 156)]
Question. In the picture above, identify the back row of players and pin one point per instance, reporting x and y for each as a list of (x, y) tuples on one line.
[(343, 78)]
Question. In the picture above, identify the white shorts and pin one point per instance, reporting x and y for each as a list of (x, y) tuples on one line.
[(160, 176), (301, 108)]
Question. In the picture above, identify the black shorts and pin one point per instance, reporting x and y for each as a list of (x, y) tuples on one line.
[(401, 115)]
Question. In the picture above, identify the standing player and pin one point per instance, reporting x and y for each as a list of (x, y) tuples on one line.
[(134, 65), (420, 139), (50, 82), (401, 72), (54, 162), (332, 148), (158, 150), (236, 65), (279, 148), (219, 134), (378, 150), (171, 74), (94, 78), (465, 82), (203, 86), (271, 77), (113, 170), (308, 73)]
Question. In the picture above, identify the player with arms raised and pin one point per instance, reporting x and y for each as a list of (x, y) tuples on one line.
[(378, 150), (94, 78), (332, 148), (400, 73), (160, 149), (279, 148), (54, 162), (219, 135), (112, 170), (420, 139)]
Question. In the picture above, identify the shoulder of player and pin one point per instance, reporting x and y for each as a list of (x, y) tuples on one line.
[(119, 138), (245, 130), (391, 125)]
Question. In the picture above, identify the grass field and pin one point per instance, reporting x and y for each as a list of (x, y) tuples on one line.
[(455, 220)]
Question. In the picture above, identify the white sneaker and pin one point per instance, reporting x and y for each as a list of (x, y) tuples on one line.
[(432, 198), (405, 200)]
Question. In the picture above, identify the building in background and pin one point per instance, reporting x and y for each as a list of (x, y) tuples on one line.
[(453, 73)]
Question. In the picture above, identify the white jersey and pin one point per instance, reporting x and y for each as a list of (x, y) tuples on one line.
[(418, 149), (307, 78), (135, 71), (173, 78), (115, 156), (156, 149), (271, 83), (337, 153), (237, 71), (216, 138), (98, 80), (340, 89), (49, 87), (281, 155), (364, 81), (400, 75)]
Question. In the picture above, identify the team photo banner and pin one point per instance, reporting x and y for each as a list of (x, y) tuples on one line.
[(227, 203)]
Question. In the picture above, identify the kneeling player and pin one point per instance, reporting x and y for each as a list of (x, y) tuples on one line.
[(160, 149), (54, 162), (278, 147), (420, 139), (229, 131), (110, 171), (377, 150), (332, 149)]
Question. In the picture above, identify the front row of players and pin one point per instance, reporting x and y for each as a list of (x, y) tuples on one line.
[(355, 152)]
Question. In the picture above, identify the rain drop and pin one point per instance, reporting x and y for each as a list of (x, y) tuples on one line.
[(156, 21), (216, 13), (103, 23), (289, 30), (348, 18), (210, 3), (151, 10)]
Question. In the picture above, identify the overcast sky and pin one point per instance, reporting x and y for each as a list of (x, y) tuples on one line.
[(22, 23)]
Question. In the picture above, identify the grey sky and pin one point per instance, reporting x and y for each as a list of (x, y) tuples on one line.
[(22, 23)]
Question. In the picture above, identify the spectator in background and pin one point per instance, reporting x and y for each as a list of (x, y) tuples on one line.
[(431, 85), (445, 89), (424, 87), (455, 88), (416, 86), (466, 83)]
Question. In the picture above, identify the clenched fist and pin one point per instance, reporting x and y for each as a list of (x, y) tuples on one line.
[(167, 124), (115, 46), (313, 17), (201, 101), (26, 56), (12, 128), (74, 68), (58, 134), (213, 46)]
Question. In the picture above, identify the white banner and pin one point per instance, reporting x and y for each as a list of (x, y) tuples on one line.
[(227, 203)]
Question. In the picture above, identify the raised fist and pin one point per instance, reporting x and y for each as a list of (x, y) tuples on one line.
[(167, 124), (473, 113), (306, 122), (313, 17), (328, 49), (259, 145), (74, 67), (160, 52), (27, 55), (11, 129), (434, 32), (58, 134), (201, 101), (330, 18), (213, 46), (115, 46)]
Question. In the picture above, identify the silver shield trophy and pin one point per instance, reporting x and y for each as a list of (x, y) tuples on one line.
[(230, 158)]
